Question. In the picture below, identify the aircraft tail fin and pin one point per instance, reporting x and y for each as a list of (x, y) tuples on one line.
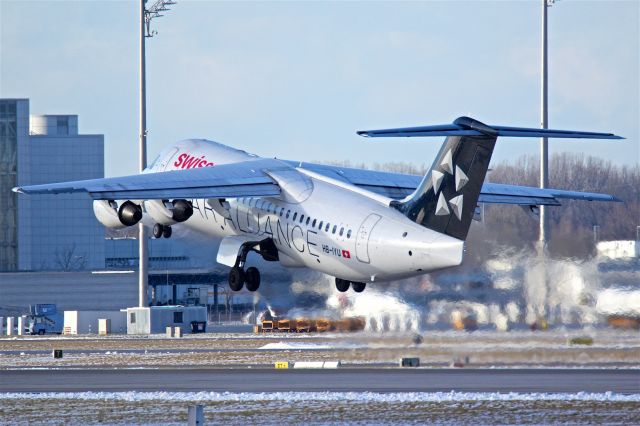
[(446, 199)]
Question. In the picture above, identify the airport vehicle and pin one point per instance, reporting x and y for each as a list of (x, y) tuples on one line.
[(356, 225), (44, 319)]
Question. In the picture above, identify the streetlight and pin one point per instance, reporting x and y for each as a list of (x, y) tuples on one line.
[(544, 150), (544, 117), (146, 16)]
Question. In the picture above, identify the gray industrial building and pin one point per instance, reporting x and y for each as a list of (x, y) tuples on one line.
[(51, 232), (60, 232), (53, 249)]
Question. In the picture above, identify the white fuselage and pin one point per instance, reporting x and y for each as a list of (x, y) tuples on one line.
[(316, 222)]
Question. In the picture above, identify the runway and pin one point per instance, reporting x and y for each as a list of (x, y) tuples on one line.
[(338, 380)]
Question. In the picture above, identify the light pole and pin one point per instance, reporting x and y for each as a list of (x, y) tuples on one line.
[(544, 117), (146, 16), (544, 156)]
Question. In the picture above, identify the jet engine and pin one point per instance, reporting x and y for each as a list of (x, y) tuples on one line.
[(111, 215), (167, 212)]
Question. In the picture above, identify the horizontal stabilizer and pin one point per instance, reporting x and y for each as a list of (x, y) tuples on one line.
[(465, 126), (398, 186)]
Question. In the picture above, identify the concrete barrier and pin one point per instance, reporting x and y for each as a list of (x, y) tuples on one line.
[(169, 331), (104, 326), (316, 364), (21, 322), (9, 326), (309, 364), (196, 415), (1, 326)]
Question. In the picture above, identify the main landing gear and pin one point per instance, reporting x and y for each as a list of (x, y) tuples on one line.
[(160, 231), (238, 276), (343, 285)]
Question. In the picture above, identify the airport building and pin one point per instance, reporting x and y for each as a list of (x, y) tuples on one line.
[(60, 232), (52, 232)]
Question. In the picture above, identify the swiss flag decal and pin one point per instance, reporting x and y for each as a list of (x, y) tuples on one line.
[(346, 254)]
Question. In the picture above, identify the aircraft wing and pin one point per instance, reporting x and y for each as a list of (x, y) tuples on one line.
[(249, 179), (399, 185), (233, 180)]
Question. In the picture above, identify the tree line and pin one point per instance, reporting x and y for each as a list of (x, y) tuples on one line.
[(571, 225)]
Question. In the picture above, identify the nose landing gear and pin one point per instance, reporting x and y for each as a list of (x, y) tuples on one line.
[(343, 285)]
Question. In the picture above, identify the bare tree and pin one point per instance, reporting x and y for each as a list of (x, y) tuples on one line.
[(68, 260), (571, 225)]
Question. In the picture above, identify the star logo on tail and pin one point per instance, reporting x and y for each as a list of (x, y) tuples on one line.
[(461, 179)]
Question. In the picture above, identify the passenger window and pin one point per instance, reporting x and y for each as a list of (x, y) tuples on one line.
[(349, 233), (334, 229), (313, 224), (326, 228), (294, 216), (288, 213), (308, 220), (281, 211), (320, 226), (301, 218), (341, 231)]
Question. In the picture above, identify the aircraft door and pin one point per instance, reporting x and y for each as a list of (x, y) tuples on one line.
[(362, 237)]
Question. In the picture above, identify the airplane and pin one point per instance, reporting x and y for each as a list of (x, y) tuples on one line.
[(359, 226)]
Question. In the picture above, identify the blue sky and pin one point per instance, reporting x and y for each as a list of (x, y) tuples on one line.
[(297, 79)]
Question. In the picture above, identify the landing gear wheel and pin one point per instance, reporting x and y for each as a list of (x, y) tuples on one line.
[(166, 232), (157, 230), (342, 285), (236, 279), (358, 287), (252, 278)]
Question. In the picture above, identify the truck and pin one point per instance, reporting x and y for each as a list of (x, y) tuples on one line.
[(44, 318)]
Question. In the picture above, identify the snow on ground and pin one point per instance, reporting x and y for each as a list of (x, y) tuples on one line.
[(361, 397), (613, 348), (319, 408), (298, 346)]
